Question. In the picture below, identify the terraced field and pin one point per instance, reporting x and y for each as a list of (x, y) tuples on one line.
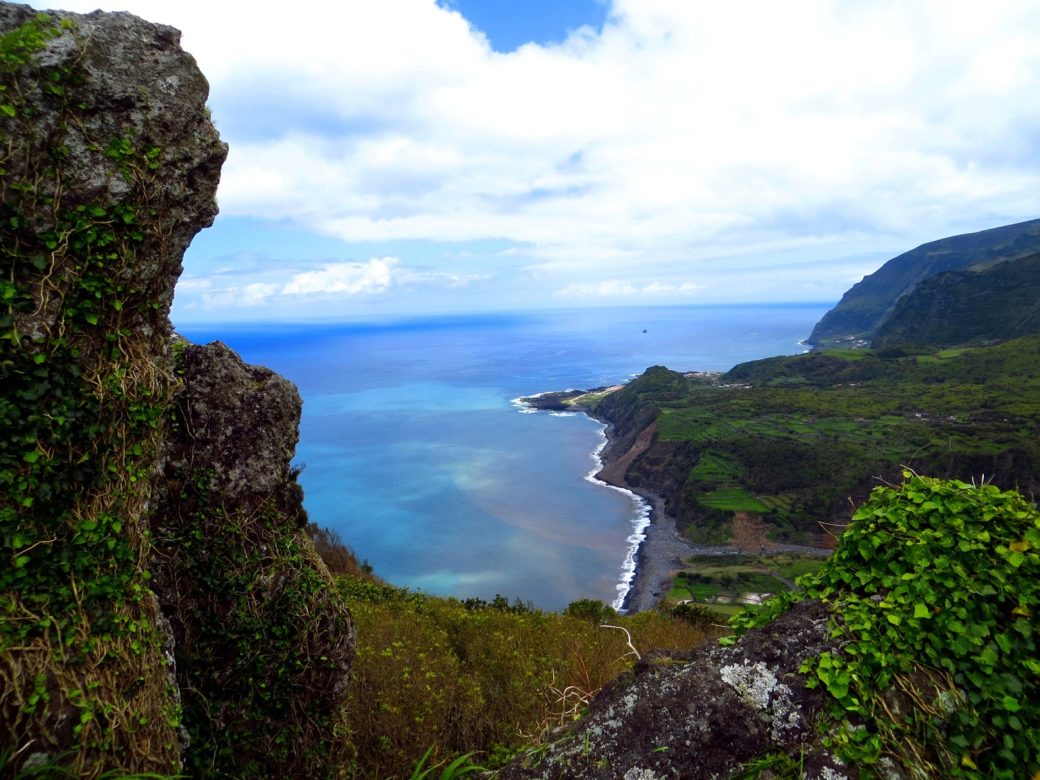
[(796, 439)]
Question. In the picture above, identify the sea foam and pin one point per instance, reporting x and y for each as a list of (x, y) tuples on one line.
[(640, 521)]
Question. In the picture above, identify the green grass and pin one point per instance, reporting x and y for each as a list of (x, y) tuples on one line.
[(952, 352), (797, 437), (715, 467), (473, 676), (732, 500), (850, 355)]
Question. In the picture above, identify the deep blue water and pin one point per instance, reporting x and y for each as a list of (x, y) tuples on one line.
[(414, 452)]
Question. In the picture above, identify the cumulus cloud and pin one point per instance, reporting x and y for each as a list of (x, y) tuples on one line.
[(680, 131), (375, 276), (282, 287)]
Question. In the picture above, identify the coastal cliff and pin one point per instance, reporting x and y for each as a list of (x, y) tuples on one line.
[(868, 305), (162, 607)]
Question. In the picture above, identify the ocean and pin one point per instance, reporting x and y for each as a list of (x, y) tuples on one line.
[(414, 450)]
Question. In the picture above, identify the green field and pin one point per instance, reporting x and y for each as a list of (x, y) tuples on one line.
[(732, 500), (802, 439), (722, 582)]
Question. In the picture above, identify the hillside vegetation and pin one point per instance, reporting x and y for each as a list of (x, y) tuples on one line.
[(959, 307), (792, 440), (867, 304), (488, 678), (934, 591), (911, 653)]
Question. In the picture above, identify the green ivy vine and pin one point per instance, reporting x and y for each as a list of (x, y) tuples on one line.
[(935, 591), (80, 412)]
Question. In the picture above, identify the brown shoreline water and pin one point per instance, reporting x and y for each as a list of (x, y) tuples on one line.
[(661, 553)]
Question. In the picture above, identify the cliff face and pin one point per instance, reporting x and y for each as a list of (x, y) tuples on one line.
[(870, 302), (262, 642), (119, 470), (999, 303)]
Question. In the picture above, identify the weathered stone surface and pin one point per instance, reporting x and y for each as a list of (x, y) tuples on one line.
[(241, 419), (702, 716), (158, 521), (263, 643), (132, 82)]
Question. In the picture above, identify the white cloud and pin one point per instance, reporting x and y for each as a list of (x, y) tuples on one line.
[(228, 296), (375, 276), (312, 291), (681, 131), (613, 288)]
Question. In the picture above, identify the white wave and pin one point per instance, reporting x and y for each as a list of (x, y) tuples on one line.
[(522, 406), (640, 522)]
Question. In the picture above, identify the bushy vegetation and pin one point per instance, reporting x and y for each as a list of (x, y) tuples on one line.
[(337, 556), (935, 591), (481, 676)]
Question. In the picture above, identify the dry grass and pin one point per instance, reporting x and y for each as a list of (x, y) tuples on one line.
[(430, 672)]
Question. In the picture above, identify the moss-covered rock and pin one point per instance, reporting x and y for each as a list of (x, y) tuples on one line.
[(263, 641), (109, 165)]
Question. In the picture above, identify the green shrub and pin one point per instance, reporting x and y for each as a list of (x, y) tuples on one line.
[(589, 609), (936, 589)]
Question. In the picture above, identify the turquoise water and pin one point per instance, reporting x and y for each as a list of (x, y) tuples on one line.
[(413, 450)]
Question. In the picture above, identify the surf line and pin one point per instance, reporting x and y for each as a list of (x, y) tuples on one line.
[(641, 509)]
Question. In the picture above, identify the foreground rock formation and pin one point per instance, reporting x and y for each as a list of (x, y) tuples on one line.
[(705, 715), (161, 607)]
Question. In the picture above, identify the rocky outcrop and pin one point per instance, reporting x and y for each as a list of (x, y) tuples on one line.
[(702, 716), (263, 644), (148, 511)]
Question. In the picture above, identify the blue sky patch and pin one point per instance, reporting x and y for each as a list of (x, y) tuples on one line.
[(509, 24)]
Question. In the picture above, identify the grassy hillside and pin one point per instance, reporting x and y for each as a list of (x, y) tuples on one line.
[(793, 439), (485, 677), (1000, 302)]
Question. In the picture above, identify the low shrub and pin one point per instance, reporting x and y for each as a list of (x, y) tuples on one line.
[(469, 678), (935, 589)]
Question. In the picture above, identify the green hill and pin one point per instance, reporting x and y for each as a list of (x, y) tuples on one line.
[(792, 440), (870, 302), (998, 303)]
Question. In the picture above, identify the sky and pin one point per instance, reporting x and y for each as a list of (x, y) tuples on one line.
[(427, 156)]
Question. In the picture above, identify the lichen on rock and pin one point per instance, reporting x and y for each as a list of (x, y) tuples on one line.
[(701, 716)]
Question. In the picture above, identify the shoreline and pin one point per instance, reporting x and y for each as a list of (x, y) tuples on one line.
[(658, 555), (641, 523), (656, 549)]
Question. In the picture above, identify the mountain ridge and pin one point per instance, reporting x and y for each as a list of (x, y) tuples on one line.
[(868, 303)]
